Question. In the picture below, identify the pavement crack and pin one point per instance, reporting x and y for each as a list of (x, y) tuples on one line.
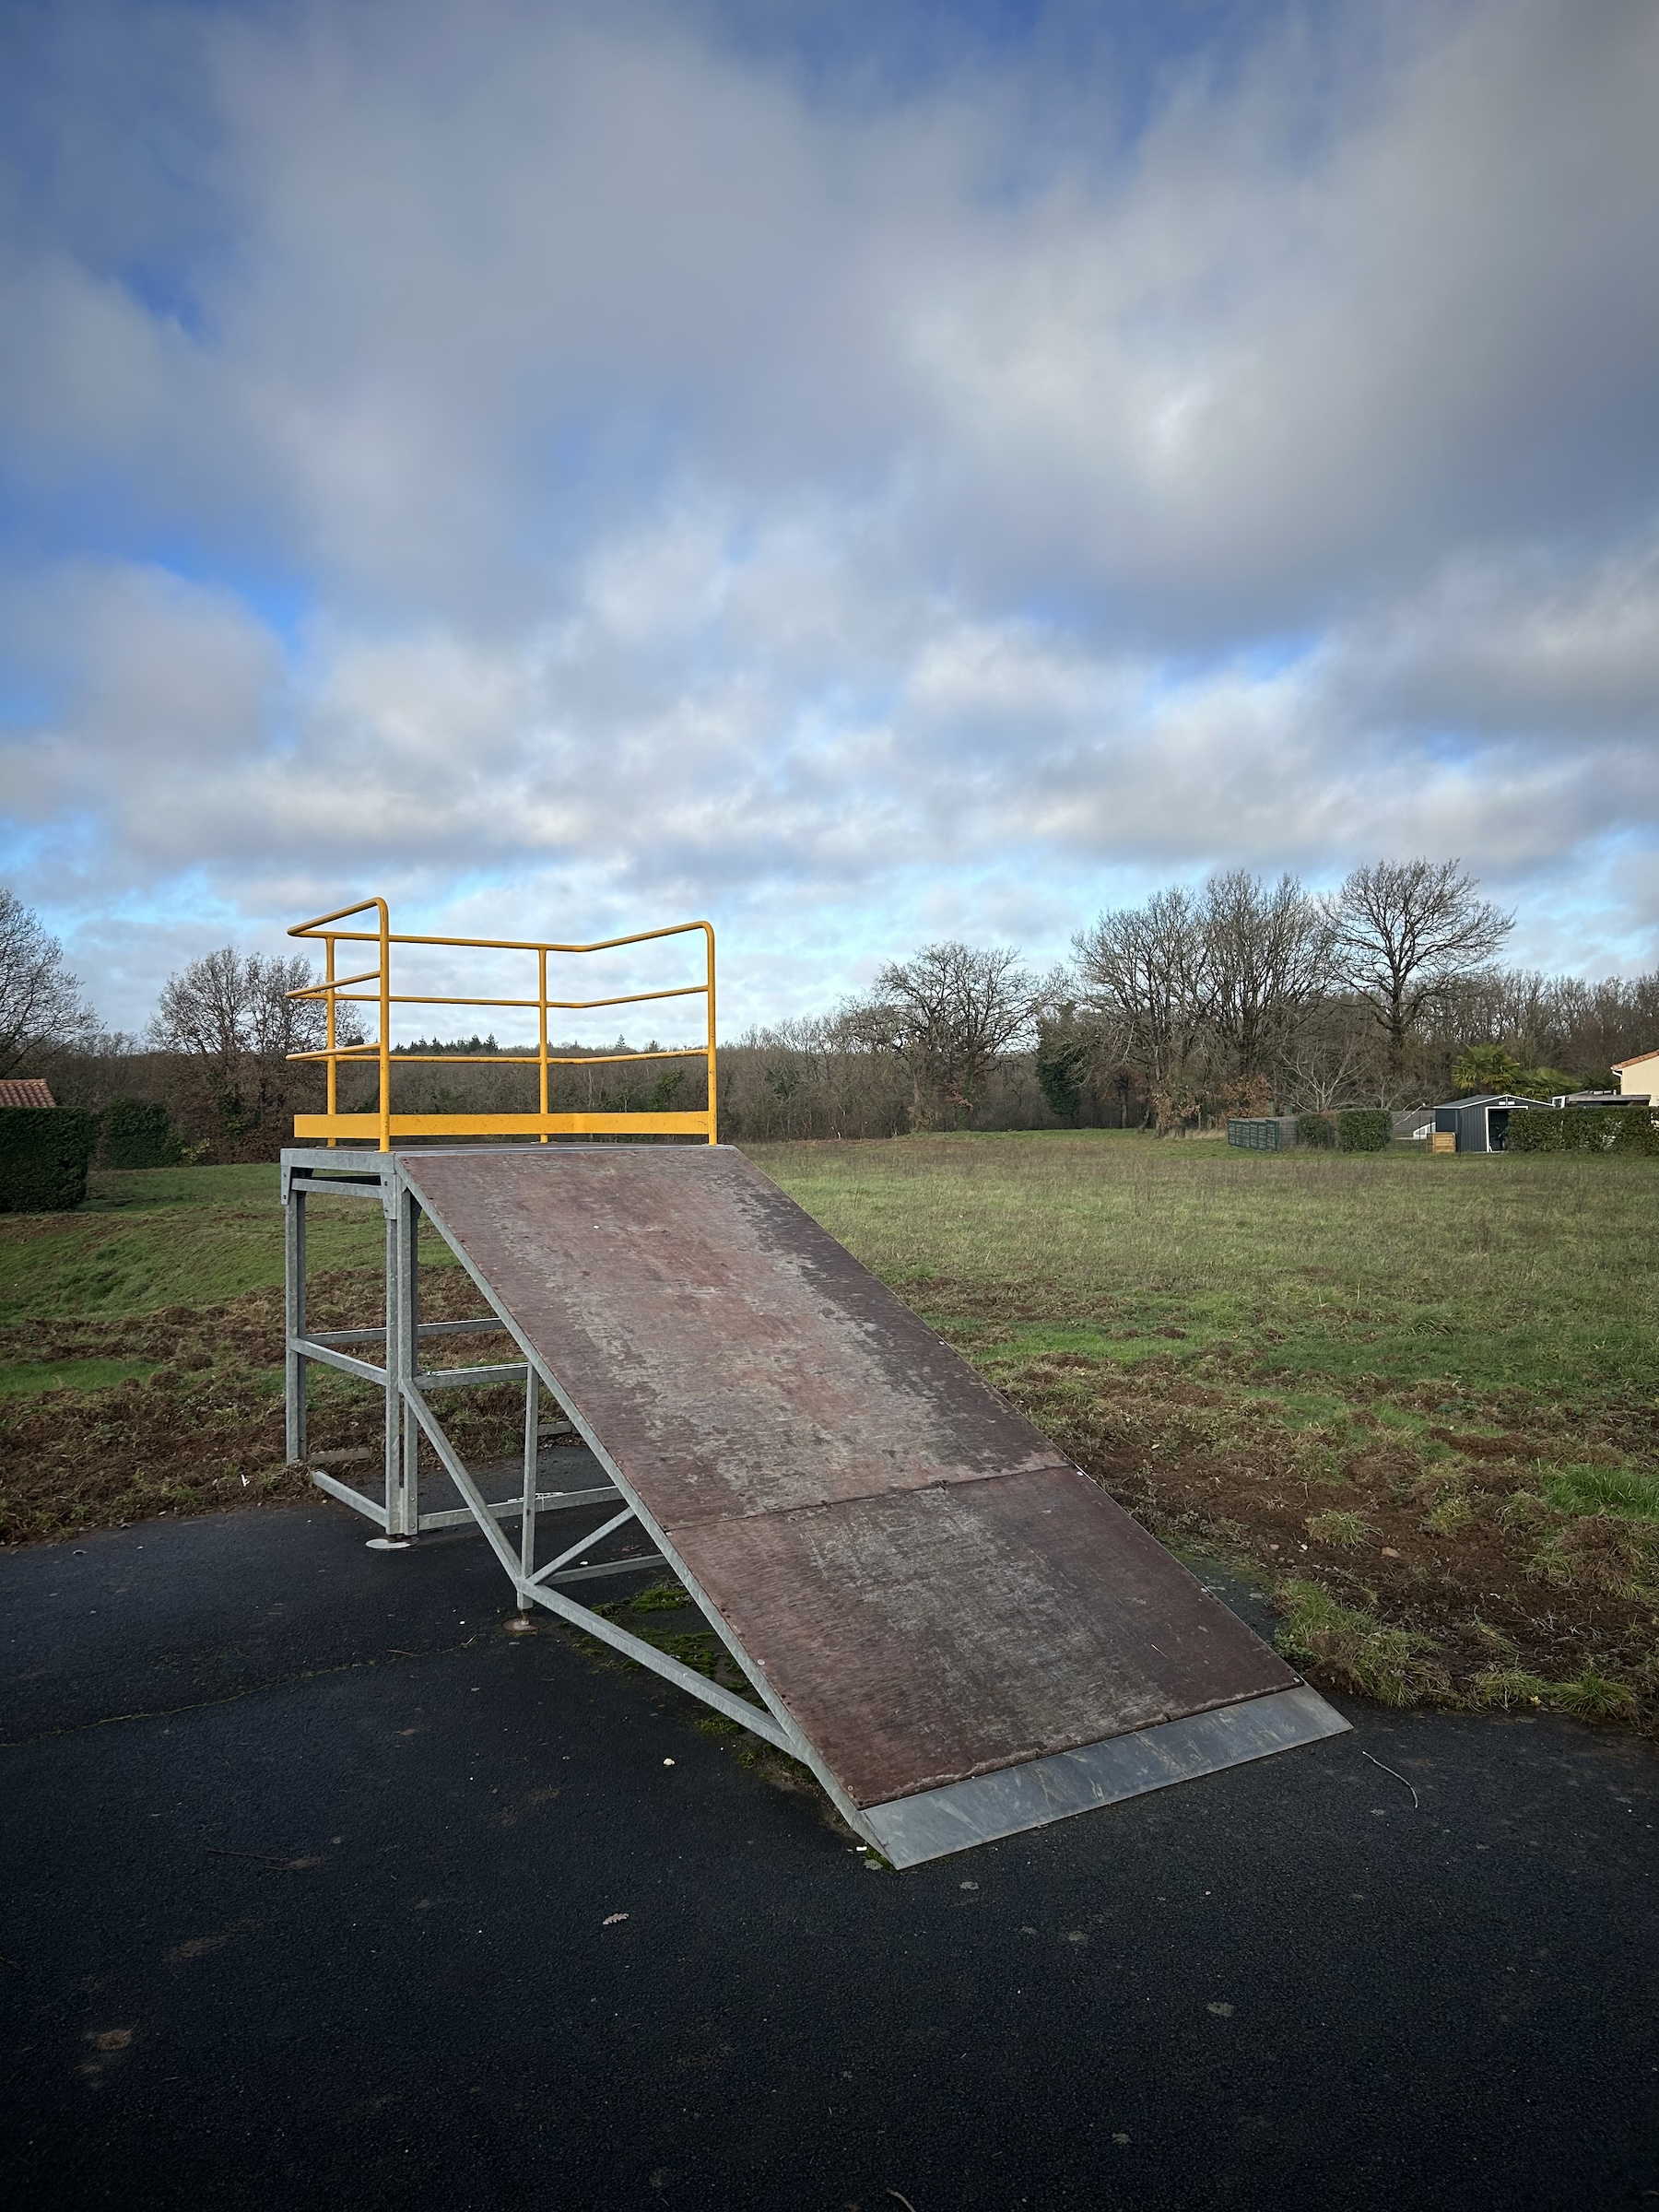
[(233, 1696)]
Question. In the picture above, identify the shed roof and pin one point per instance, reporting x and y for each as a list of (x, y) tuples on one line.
[(25, 1090), (1487, 1097)]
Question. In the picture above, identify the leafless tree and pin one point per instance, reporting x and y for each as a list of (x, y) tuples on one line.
[(948, 1012), (1406, 934), (1268, 962), (41, 1009), (229, 1006), (231, 1013), (1144, 973), (1326, 1056)]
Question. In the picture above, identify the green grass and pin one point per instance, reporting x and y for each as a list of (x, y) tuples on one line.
[(26, 1377), (1621, 1490), (1390, 1663), (168, 1237), (1486, 1272)]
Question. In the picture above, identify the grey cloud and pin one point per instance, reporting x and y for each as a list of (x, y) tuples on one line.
[(708, 492)]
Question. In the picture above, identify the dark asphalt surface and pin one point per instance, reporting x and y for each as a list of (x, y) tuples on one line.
[(1285, 1986)]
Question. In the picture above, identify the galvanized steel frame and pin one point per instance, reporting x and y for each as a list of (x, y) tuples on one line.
[(411, 1418)]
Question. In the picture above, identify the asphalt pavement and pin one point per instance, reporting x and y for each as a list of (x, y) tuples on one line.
[(323, 1890)]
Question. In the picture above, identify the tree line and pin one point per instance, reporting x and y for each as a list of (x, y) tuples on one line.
[(1241, 995)]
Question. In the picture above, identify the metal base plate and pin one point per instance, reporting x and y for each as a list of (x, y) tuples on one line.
[(1016, 1798)]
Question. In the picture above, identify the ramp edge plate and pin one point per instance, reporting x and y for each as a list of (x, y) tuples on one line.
[(910, 1830)]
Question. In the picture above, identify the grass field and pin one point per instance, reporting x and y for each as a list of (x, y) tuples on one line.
[(1418, 1397)]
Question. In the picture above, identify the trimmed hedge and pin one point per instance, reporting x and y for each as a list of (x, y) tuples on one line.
[(1584, 1129), (1315, 1129), (1364, 1129), (44, 1154), (139, 1136)]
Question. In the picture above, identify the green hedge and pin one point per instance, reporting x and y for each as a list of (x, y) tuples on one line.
[(44, 1153), (1364, 1129), (1584, 1129), (1315, 1129), (139, 1136)]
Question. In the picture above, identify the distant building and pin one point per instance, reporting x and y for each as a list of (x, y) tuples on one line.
[(24, 1090), (1642, 1074), (1482, 1125), (1602, 1097)]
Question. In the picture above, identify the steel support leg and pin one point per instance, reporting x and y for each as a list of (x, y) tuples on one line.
[(402, 1321), (293, 1243), (532, 1479)]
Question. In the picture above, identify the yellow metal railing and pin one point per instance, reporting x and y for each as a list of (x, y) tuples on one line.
[(383, 1126)]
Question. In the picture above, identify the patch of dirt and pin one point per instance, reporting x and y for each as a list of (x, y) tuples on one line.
[(207, 1431), (933, 1295), (1444, 1539), (245, 1332)]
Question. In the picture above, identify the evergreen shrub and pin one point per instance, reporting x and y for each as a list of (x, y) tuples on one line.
[(1536, 1132), (1584, 1129), (137, 1135), (44, 1154), (1364, 1129), (1635, 1132), (1315, 1129)]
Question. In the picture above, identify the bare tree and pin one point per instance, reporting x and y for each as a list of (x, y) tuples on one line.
[(41, 1009), (1144, 973), (1326, 1057), (1406, 934), (1267, 962), (948, 1012), (231, 1013)]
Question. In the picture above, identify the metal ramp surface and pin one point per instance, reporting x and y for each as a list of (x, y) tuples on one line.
[(956, 1628)]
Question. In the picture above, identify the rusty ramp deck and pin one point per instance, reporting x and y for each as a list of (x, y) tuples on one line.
[(963, 1634)]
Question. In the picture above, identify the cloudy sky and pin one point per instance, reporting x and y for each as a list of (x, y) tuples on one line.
[(860, 473)]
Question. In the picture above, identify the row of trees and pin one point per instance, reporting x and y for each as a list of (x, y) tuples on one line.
[(1240, 996), (1246, 995)]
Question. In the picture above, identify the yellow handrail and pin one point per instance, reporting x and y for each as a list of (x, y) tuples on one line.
[(336, 991)]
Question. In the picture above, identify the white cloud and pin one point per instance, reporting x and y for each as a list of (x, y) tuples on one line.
[(704, 487)]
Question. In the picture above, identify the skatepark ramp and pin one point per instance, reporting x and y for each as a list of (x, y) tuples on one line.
[(932, 1607)]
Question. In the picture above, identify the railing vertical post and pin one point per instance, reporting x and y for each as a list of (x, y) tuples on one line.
[(541, 992), (331, 1036), (293, 1249), (709, 941), (385, 1021)]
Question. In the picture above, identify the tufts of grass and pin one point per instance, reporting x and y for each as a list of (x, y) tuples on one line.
[(1453, 1516), (1504, 1687), (1603, 1491), (661, 1598), (1494, 1639), (1342, 1531), (1356, 1650), (1524, 1510), (1597, 1697), (1602, 1552), (28, 1377), (701, 1654), (1589, 1695)]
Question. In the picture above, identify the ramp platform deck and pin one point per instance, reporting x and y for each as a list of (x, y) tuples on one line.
[(958, 1631)]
